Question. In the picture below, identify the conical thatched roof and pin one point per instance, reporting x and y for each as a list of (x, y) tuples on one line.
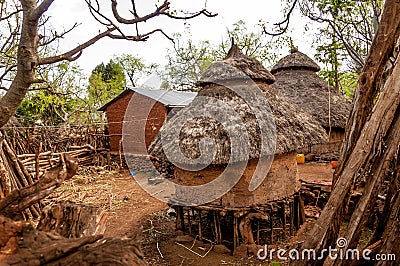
[(303, 86), (292, 128), (236, 59), (296, 60)]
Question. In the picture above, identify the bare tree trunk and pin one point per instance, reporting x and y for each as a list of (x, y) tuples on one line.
[(369, 83), (372, 140), (27, 61)]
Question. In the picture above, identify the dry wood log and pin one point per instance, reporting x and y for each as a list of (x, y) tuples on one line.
[(20, 199), (21, 244), (245, 228), (371, 124), (72, 220)]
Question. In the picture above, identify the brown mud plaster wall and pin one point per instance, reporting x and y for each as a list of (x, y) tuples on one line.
[(140, 127), (333, 145), (281, 181)]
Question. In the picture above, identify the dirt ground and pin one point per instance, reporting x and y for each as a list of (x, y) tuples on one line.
[(316, 172), (131, 209)]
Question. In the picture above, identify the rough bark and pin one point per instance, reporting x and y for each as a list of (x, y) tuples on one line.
[(28, 57), (27, 62), (366, 150), (370, 80), (20, 199), (380, 166), (391, 239), (72, 220), (21, 244)]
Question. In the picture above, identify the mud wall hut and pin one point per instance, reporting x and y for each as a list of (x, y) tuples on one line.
[(294, 130), (149, 111), (297, 79)]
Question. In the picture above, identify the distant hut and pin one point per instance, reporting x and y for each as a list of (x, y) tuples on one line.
[(294, 130), (147, 112), (296, 78)]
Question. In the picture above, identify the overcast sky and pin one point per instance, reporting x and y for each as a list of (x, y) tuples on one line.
[(65, 13)]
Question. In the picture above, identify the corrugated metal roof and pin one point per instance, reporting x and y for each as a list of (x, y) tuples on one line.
[(168, 98)]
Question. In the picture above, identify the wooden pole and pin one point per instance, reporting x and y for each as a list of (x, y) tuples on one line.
[(272, 226), (37, 158), (180, 222), (200, 232), (283, 217), (189, 221), (235, 232), (291, 206)]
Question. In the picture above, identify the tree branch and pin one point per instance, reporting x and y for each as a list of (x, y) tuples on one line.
[(192, 15), (160, 10), (10, 15), (142, 37), (76, 52), (38, 12), (283, 22), (58, 36)]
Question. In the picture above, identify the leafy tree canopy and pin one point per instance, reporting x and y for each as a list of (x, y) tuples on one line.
[(57, 99), (105, 83), (189, 59)]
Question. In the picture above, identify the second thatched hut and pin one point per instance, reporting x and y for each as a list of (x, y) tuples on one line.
[(297, 78), (231, 82)]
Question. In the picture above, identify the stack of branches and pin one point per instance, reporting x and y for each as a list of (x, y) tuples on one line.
[(40, 162), (68, 233), (14, 176), (20, 171), (56, 139)]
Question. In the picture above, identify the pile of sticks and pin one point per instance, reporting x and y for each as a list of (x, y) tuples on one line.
[(14, 175), (25, 140), (37, 164), (21, 171)]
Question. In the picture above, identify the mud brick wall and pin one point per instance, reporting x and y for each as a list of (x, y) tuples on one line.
[(281, 181), (140, 126), (333, 145)]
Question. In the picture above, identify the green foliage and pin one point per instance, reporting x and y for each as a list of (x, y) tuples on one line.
[(274, 263), (346, 31), (135, 68), (254, 44), (56, 99), (347, 80), (186, 64), (190, 59), (105, 83)]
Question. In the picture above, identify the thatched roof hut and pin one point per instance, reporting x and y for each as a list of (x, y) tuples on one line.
[(237, 106), (296, 78), (294, 128)]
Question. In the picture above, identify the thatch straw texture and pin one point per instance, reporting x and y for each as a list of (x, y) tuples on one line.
[(296, 60), (294, 129), (250, 66), (310, 92)]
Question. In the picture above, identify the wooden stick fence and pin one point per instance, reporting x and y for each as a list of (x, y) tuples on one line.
[(19, 171)]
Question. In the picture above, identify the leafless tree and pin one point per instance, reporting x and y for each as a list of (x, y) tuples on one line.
[(21, 48)]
